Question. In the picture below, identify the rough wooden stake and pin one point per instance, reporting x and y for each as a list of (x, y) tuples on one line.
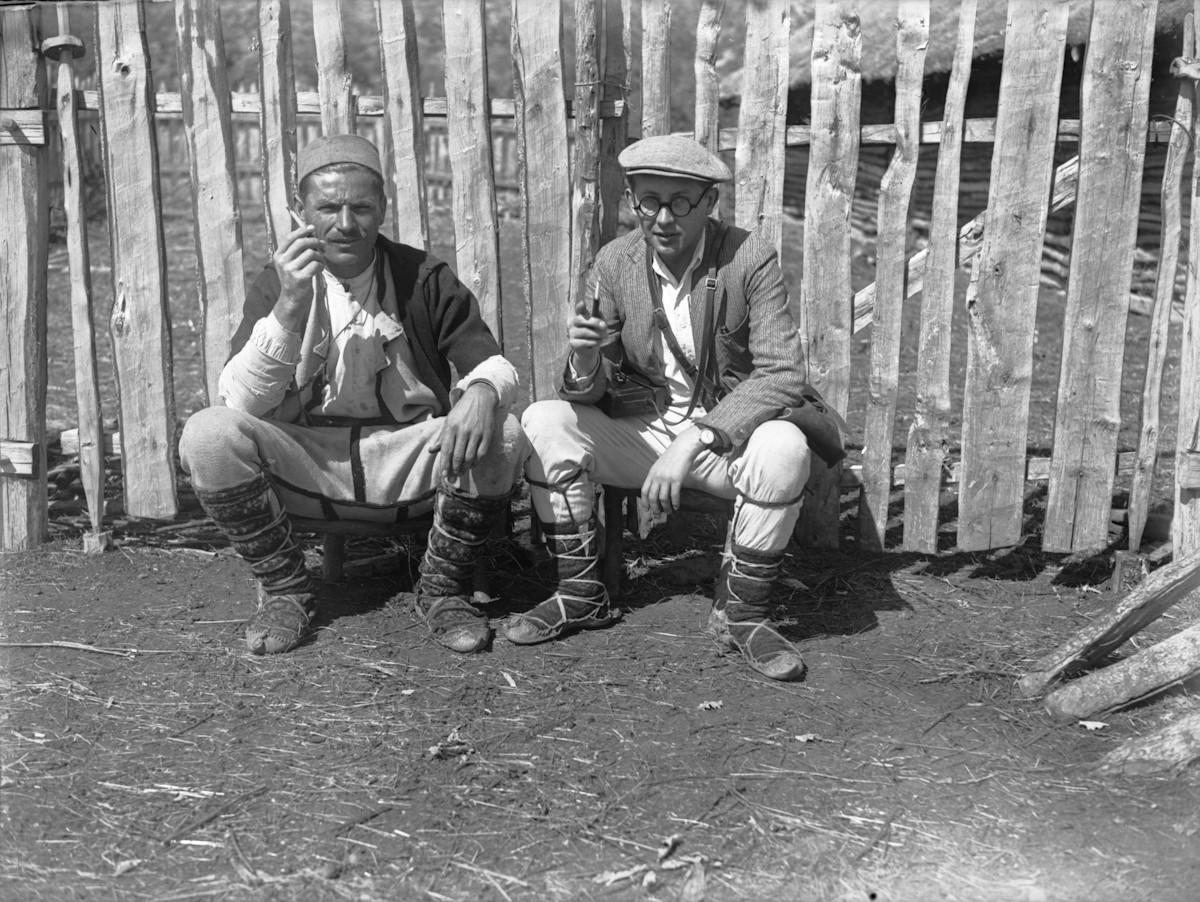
[(1144, 674), (1141, 607)]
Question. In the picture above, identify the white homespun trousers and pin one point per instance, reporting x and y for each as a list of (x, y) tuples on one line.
[(577, 446)]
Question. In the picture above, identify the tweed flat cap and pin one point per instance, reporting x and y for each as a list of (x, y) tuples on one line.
[(329, 149), (673, 155)]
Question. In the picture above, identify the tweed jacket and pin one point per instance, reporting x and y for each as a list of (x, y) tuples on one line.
[(437, 313), (758, 355)]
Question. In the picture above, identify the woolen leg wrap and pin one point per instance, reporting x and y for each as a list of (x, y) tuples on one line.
[(575, 553), (261, 533), (746, 583), (461, 524)]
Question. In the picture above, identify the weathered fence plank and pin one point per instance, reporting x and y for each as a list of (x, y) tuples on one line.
[(708, 86), (218, 224), (585, 190), (139, 323), (1112, 150), (631, 40), (1164, 295), (614, 130), (762, 122), (929, 435), (469, 129), (826, 290), (1002, 296), (656, 67), (25, 237), (334, 83), (895, 191), (1185, 526), (404, 130), (87, 382), (277, 115), (545, 187)]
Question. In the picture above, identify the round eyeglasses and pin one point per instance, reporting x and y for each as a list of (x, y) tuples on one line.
[(679, 205)]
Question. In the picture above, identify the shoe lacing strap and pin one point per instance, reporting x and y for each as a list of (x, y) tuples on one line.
[(280, 519), (736, 572), (561, 486), (447, 605), (298, 573), (275, 601)]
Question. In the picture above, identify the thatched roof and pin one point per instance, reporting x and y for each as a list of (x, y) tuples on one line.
[(877, 18)]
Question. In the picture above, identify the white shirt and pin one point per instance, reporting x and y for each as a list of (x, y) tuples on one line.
[(677, 304)]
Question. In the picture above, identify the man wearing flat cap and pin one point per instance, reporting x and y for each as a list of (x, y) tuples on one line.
[(695, 312), (338, 403)]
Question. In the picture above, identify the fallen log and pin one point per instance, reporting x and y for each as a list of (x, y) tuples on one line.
[(1138, 677), (1171, 747), (1141, 607)]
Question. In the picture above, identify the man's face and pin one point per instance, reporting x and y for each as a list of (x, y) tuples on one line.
[(672, 237), (346, 209)]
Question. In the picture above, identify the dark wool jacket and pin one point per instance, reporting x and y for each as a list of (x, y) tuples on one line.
[(758, 363), (440, 317)]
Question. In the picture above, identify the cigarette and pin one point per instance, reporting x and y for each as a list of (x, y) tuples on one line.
[(296, 218)]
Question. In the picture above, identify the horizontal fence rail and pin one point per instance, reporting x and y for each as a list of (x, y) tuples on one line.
[(994, 196)]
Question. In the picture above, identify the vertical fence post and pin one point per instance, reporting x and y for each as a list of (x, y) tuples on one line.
[(208, 127), (929, 437), (65, 48), (1185, 525), (1112, 151), (585, 237), (613, 126), (403, 123), (826, 289), (25, 237), (1002, 296), (334, 83), (1164, 295), (708, 87), (139, 324), (656, 67), (277, 123), (883, 380), (762, 122), (469, 132), (541, 114), (631, 38)]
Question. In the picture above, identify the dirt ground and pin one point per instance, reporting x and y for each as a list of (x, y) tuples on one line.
[(155, 759)]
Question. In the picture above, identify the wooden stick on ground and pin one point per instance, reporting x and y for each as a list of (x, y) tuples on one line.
[(1175, 745), (1141, 675), (1141, 607)]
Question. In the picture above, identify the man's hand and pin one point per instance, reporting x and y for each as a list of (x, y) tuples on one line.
[(297, 261), (586, 335), (664, 482), (468, 431)]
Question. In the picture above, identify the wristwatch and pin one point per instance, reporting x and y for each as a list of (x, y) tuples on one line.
[(709, 439)]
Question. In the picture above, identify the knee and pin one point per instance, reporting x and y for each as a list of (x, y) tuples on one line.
[(514, 446), (777, 461), (546, 419), (209, 434)]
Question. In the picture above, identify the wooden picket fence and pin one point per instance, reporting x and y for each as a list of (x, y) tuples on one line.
[(568, 129)]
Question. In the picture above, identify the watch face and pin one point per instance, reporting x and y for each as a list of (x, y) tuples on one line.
[(707, 437)]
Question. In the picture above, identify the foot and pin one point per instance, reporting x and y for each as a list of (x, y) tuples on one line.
[(764, 649), (280, 623), (455, 623), (557, 616)]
